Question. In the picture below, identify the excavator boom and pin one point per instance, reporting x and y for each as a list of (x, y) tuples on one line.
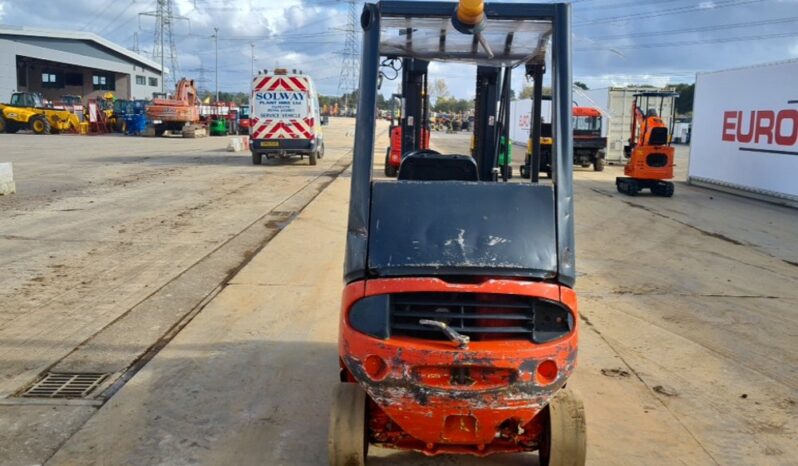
[(180, 109)]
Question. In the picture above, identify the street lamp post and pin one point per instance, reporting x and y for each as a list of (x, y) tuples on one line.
[(216, 46), (252, 66)]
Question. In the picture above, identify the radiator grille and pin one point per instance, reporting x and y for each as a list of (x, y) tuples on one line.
[(480, 316)]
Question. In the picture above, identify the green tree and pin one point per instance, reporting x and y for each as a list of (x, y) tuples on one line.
[(463, 105), (439, 90), (528, 91), (444, 105), (684, 103), (581, 85)]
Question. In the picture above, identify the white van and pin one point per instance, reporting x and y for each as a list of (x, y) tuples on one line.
[(285, 118)]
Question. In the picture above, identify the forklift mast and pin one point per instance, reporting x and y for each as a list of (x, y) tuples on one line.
[(415, 113), (485, 137)]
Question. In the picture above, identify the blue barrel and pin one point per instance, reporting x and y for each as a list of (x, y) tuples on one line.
[(135, 123)]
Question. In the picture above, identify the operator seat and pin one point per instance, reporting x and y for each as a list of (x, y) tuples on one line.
[(658, 137), (429, 165)]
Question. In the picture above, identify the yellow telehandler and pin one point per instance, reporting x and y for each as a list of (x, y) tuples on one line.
[(27, 111)]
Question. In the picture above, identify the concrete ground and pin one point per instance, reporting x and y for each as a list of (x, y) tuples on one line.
[(112, 244), (688, 318)]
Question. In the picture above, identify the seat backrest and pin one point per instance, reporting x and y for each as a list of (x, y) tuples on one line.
[(428, 165), (659, 136)]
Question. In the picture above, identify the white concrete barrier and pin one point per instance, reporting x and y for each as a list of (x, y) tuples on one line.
[(237, 144), (7, 185)]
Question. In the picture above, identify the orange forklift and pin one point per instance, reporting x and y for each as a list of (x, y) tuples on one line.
[(459, 325), (649, 151), (412, 132)]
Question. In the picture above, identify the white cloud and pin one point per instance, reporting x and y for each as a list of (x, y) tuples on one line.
[(623, 80), (306, 34)]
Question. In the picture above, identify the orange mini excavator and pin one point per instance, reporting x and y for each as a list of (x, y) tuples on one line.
[(649, 151)]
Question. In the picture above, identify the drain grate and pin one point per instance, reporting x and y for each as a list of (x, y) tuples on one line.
[(65, 385)]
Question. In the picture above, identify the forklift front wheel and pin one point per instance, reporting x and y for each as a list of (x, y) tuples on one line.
[(565, 437), (390, 170), (347, 442)]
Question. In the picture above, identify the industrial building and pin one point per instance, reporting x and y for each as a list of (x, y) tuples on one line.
[(57, 63)]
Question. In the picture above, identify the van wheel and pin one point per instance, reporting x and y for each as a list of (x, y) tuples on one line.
[(312, 158), (40, 125), (321, 150), (256, 158)]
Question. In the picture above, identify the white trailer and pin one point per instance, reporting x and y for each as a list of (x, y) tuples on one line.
[(616, 105), (681, 132), (745, 131), (521, 117)]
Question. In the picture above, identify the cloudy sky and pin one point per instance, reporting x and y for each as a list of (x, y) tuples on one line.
[(616, 42)]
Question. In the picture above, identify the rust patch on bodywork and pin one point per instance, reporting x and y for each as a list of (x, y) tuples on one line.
[(437, 398)]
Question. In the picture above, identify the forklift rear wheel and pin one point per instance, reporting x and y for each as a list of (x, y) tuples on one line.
[(3, 125), (524, 171), (347, 442), (40, 125), (312, 158), (565, 436), (598, 165), (256, 158)]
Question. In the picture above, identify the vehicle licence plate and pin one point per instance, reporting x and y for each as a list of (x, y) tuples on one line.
[(270, 144)]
